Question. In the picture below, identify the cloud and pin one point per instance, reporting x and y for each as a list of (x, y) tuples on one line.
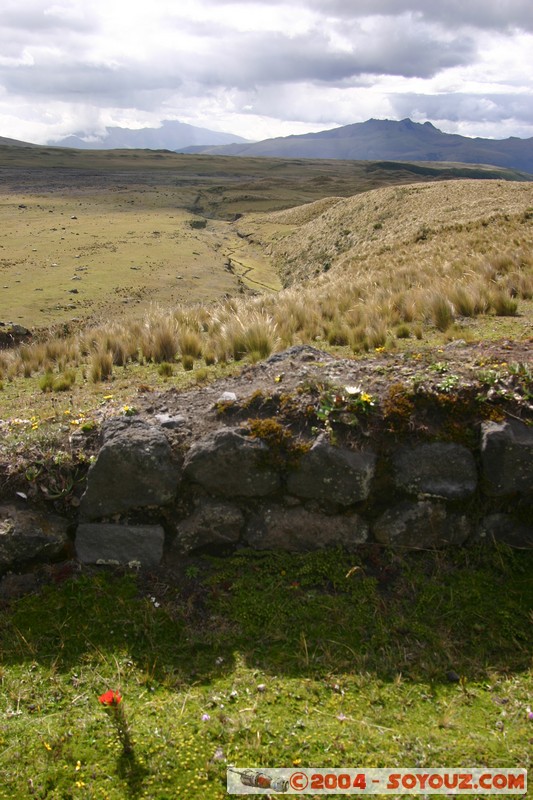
[(465, 108), (502, 15), (267, 62)]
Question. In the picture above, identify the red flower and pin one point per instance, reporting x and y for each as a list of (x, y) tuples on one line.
[(110, 698)]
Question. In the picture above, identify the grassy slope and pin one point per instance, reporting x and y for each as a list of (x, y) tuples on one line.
[(347, 231)]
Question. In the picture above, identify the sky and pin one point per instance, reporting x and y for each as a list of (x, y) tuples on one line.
[(266, 68)]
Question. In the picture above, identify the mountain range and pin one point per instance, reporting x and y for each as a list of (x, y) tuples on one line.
[(172, 135), (388, 140)]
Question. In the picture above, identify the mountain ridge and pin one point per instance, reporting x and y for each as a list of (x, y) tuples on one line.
[(389, 140), (171, 135)]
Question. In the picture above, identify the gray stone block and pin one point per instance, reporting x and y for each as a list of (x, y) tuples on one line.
[(438, 469), (120, 544), (28, 535), (507, 458), (422, 525), (133, 469), (333, 474), (503, 528), (299, 530), (232, 465), (210, 523)]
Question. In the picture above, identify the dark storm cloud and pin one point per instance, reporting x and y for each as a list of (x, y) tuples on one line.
[(273, 58), (124, 87), (242, 60), (484, 14), (465, 107)]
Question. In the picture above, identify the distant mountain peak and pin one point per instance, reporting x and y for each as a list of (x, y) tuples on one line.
[(391, 140), (171, 135)]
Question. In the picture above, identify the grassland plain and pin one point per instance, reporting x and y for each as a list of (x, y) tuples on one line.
[(382, 659)]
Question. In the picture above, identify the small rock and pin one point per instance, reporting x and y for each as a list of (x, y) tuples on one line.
[(171, 422), (227, 397)]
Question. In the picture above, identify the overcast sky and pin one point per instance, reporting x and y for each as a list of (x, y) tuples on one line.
[(262, 69)]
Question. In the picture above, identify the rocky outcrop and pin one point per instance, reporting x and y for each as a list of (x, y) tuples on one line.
[(134, 469)]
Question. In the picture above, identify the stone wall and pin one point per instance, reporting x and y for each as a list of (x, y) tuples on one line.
[(142, 504)]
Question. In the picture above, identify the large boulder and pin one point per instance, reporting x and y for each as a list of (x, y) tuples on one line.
[(422, 525), (438, 469), (507, 458), (133, 469), (229, 464), (332, 474), (101, 543), (299, 530), (211, 523), (28, 535)]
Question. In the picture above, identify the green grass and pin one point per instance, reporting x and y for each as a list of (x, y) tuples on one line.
[(267, 660)]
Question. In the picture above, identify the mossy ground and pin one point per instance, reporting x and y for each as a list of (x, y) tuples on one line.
[(268, 660)]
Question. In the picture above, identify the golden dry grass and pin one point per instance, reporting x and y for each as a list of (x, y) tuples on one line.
[(414, 259)]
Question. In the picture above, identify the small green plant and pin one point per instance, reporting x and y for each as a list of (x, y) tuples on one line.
[(65, 381), (344, 404), (284, 449), (165, 369), (46, 383), (112, 702), (448, 383), (187, 362), (403, 332)]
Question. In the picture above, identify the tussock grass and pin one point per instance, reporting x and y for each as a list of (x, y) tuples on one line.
[(477, 261), (101, 366)]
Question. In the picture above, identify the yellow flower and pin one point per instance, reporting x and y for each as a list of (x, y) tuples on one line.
[(79, 784), (296, 762), (67, 411), (78, 766), (48, 747), (366, 398), (108, 397)]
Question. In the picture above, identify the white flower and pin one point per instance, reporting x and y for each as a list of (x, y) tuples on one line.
[(353, 389)]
